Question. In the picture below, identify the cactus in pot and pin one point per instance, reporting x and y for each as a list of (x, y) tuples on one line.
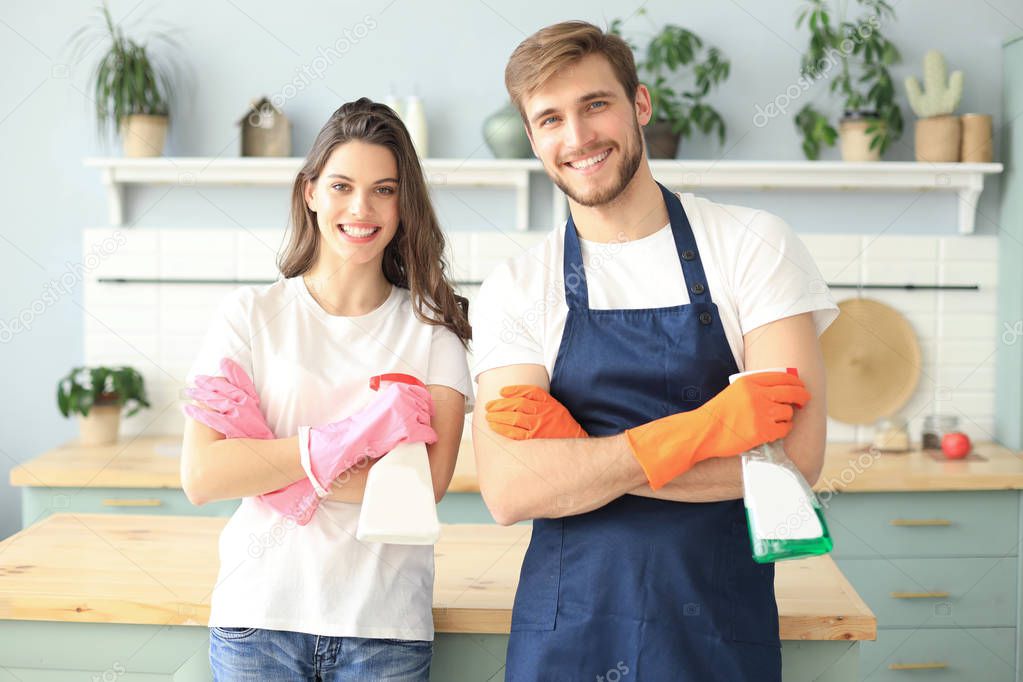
[(938, 131)]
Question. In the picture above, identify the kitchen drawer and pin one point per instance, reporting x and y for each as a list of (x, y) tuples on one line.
[(932, 593), (954, 655), (973, 523), (38, 502)]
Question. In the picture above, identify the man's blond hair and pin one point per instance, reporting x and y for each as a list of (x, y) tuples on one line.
[(543, 54)]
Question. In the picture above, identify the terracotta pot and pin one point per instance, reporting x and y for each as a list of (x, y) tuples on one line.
[(976, 146), (101, 426), (938, 139), (143, 135), (661, 143), (855, 140)]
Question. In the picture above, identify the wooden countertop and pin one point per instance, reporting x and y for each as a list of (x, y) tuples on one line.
[(855, 469), (105, 568), (150, 462), (153, 462)]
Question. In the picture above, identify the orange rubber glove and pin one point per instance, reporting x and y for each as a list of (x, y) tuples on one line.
[(530, 412), (753, 410)]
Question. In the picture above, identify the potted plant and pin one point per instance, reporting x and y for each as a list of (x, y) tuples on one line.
[(678, 113), (97, 395), (131, 92), (860, 55), (937, 133)]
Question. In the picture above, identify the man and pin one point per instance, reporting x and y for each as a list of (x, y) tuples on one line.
[(604, 408)]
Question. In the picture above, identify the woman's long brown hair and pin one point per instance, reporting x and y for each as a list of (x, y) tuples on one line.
[(414, 259)]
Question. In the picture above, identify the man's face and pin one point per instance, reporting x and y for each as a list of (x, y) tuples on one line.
[(586, 131)]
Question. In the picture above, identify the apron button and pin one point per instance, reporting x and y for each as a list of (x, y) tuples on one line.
[(698, 288), (688, 255), (706, 318)]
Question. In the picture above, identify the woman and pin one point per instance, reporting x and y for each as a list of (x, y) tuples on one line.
[(364, 293)]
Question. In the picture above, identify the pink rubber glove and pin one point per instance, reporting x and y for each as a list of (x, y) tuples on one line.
[(233, 401), (400, 414)]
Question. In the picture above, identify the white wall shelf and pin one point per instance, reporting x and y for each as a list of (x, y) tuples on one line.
[(966, 180), (118, 172)]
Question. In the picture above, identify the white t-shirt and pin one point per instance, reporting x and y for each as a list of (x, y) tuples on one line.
[(311, 368), (757, 270)]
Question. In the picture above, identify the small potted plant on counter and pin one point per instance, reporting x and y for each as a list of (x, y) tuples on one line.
[(97, 395), (938, 132), (678, 112), (859, 56), (130, 90)]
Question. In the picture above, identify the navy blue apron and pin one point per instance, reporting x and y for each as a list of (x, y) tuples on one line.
[(643, 589)]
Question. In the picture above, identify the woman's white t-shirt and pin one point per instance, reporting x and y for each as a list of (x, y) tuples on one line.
[(311, 368), (757, 270)]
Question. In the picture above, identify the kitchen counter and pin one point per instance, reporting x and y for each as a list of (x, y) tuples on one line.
[(851, 468), (153, 462), (159, 570), (150, 462)]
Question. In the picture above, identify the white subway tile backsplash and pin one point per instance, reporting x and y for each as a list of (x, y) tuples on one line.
[(159, 328), (975, 248), (970, 353), (968, 326), (257, 252), (960, 379), (459, 255), (120, 252), (983, 301), (840, 272), (969, 272), (195, 253), (121, 319), (900, 272), (901, 249), (826, 247)]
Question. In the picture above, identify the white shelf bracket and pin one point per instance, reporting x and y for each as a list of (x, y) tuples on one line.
[(115, 197), (968, 197)]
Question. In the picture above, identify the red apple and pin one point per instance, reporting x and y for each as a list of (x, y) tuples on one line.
[(956, 445)]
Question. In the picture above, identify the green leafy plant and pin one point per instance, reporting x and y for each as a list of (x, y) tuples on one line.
[(862, 56), (683, 107), (86, 387), (127, 79)]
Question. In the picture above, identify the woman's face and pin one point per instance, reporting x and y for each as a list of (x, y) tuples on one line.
[(356, 202)]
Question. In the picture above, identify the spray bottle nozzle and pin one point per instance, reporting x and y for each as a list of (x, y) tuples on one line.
[(374, 382)]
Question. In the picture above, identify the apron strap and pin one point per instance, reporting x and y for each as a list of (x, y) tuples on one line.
[(685, 246), (576, 291)]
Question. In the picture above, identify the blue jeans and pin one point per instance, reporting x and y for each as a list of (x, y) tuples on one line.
[(257, 655)]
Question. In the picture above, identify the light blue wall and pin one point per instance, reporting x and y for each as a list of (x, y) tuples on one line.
[(453, 55)]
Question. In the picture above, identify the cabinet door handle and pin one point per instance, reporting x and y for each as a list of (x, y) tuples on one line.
[(920, 595), (917, 666), (117, 502), (920, 522)]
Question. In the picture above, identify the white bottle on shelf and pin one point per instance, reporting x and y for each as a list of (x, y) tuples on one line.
[(415, 121), (391, 100)]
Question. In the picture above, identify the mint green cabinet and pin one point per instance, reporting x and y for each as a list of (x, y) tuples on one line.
[(37, 503), (940, 570)]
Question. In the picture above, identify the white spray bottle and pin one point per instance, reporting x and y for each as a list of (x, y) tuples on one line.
[(398, 506), (784, 516)]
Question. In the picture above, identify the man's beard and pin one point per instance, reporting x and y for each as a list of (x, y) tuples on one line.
[(632, 154)]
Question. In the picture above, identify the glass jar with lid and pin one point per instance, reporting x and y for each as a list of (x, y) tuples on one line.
[(935, 427), (891, 434)]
